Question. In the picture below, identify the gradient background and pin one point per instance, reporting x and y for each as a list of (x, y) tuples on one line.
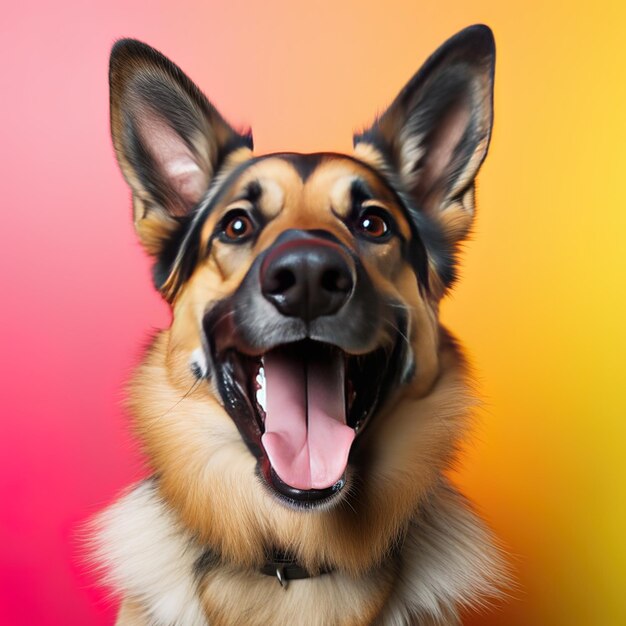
[(540, 307)]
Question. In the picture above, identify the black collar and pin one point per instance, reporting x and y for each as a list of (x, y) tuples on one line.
[(286, 568), (279, 564)]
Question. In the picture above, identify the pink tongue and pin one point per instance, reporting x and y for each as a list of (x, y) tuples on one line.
[(306, 437)]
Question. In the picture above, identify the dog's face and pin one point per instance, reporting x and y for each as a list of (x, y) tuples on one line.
[(304, 290)]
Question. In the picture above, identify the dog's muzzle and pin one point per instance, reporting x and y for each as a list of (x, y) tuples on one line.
[(303, 356)]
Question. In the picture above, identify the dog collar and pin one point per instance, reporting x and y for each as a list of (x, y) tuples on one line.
[(285, 569)]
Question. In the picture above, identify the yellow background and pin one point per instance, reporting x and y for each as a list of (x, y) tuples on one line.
[(540, 305)]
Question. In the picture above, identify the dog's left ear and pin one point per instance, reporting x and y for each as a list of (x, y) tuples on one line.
[(170, 141), (434, 136)]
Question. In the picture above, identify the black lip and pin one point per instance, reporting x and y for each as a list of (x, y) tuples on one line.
[(299, 497)]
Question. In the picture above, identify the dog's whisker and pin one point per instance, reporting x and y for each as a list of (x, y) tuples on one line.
[(346, 502), (216, 323), (398, 305), (184, 397), (396, 329)]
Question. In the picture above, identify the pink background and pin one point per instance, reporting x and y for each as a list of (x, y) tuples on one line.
[(540, 305)]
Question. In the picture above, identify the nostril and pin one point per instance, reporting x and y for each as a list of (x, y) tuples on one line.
[(307, 278), (280, 282), (335, 280)]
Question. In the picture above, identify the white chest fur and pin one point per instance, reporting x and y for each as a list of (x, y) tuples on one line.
[(447, 561)]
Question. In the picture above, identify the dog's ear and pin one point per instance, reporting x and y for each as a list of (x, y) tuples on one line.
[(170, 141), (434, 136)]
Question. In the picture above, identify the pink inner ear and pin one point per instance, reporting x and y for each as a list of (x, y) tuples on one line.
[(440, 153), (174, 159)]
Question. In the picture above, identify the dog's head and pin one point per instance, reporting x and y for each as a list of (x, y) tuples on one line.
[(304, 287)]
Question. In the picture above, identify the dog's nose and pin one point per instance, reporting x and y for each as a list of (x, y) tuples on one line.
[(307, 278)]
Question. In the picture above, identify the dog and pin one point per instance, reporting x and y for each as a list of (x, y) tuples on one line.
[(301, 411)]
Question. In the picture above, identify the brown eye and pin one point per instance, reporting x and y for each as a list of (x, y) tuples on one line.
[(373, 224), (236, 227)]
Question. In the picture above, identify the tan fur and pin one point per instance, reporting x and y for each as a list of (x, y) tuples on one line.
[(245, 598)]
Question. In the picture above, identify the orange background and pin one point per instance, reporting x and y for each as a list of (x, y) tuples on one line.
[(540, 306)]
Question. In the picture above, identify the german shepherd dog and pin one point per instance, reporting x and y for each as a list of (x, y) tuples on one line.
[(301, 411)]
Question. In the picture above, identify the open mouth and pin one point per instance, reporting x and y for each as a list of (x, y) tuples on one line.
[(299, 407)]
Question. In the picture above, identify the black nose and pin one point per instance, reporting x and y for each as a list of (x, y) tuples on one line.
[(307, 278)]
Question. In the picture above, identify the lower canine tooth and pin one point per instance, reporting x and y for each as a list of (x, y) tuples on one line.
[(260, 397), (260, 377), (260, 394)]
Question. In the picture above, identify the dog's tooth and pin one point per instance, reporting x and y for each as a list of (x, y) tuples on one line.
[(261, 397), (260, 394)]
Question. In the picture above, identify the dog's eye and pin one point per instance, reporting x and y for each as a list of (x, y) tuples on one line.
[(373, 223), (236, 226)]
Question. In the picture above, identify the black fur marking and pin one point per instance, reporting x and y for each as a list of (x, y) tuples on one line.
[(167, 256), (196, 370), (428, 240), (304, 164), (324, 234), (206, 562), (235, 142), (360, 192), (252, 192)]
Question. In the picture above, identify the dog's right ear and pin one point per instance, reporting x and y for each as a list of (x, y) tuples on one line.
[(170, 141)]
